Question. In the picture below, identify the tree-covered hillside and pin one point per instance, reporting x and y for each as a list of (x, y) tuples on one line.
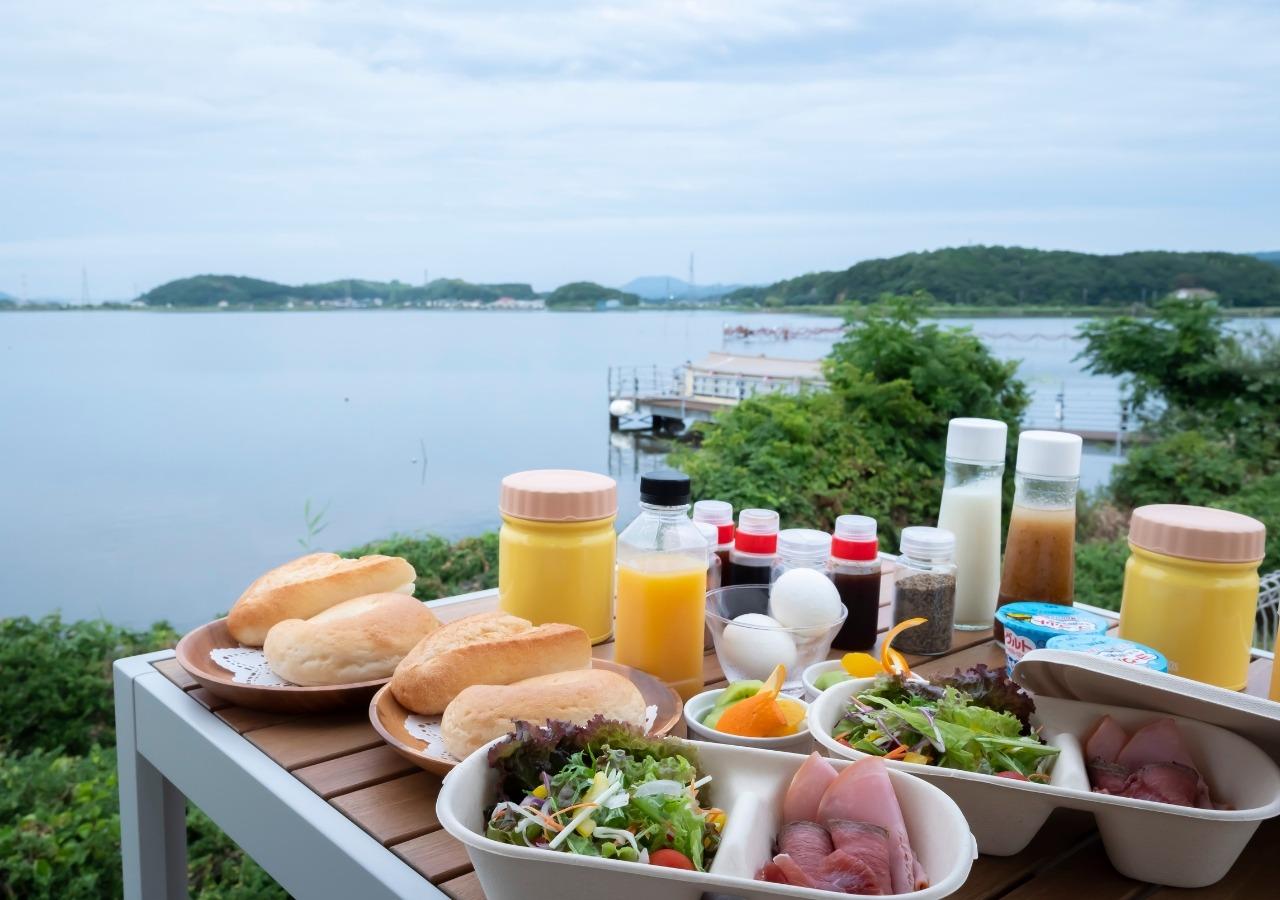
[(586, 295), (236, 290), (1010, 276)]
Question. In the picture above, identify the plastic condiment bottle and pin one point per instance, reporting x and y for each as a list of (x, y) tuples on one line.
[(719, 514), (710, 535), (1039, 551), (924, 586), (556, 548), (855, 570), (1191, 589), (662, 586), (971, 501), (802, 548), (755, 547)]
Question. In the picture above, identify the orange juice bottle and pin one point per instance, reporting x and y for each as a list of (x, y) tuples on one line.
[(662, 585)]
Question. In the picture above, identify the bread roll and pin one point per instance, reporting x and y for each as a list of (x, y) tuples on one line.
[(483, 712), (487, 648), (357, 640), (311, 584)]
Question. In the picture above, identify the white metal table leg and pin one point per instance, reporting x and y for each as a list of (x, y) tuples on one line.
[(153, 831)]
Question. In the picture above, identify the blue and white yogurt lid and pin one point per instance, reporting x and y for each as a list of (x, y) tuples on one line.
[(1041, 621), (1112, 648)]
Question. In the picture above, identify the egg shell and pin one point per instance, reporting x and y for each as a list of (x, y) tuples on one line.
[(753, 652), (805, 598)]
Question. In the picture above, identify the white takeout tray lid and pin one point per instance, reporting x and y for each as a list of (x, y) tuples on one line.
[(1071, 675)]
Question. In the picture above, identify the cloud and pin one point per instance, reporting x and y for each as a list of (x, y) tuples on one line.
[(308, 140)]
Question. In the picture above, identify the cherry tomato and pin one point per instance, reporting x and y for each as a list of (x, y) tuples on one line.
[(672, 859)]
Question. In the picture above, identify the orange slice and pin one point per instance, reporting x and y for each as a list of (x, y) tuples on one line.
[(891, 659), (759, 715), (793, 712), (861, 665)]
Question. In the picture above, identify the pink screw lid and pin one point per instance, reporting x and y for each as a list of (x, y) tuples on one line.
[(558, 495), (1198, 532)]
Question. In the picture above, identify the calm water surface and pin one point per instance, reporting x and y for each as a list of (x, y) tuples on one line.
[(154, 464)]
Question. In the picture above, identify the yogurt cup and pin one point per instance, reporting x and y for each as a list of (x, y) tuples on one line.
[(1117, 649), (1030, 626)]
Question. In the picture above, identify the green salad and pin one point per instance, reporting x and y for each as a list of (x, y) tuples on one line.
[(978, 721), (603, 789)]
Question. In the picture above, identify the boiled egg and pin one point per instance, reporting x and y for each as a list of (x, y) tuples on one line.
[(805, 598), (753, 645)]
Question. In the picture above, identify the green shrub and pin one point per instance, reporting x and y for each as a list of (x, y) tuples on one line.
[(874, 442), (444, 569), (1260, 498), (57, 690), (1186, 467), (1100, 572)]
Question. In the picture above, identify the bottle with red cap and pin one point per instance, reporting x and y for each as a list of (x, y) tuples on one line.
[(718, 514), (855, 570), (755, 548)]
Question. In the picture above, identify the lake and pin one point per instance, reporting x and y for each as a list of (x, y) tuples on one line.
[(154, 464)]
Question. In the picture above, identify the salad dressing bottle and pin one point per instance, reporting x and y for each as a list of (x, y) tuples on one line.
[(971, 499), (662, 586), (755, 548), (1039, 552), (718, 514)]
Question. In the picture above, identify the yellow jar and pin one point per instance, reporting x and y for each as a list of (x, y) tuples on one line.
[(1191, 589), (556, 549)]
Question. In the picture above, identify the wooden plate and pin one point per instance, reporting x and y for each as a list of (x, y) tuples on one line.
[(387, 715), (193, 655)]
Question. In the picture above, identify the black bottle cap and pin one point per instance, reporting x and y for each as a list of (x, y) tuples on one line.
[(664, 487)]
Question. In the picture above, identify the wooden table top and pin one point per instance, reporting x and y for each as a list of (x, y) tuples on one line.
[(341, 758)]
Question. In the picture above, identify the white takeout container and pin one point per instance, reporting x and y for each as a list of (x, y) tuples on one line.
[(699, 705), (1156, 842), (749, 785)]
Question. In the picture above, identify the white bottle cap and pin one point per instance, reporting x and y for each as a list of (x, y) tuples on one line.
[(855, 528), (977, 440), (922, 542), (1054, 454), (758, 521), (717, 512), (804, 544)]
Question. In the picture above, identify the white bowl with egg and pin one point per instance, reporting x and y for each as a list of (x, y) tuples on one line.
[(752, 635), (811, 675), (699, 705)]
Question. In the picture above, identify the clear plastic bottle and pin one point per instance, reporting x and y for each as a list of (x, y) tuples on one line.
[(719, 514), (755, 548), (855, 571), (662, 586), (971, 501), (710, 535), (1039, 551), (924, 586), (801, 548)]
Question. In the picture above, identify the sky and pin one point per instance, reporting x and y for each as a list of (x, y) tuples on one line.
[(303, 141)]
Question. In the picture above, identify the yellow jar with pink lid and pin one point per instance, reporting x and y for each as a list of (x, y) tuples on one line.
[(1191, 589), (556, 548)]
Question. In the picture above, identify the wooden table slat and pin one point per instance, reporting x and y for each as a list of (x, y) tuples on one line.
[(436, 855), (1065, 832), (394, 811), (1085, 873), (307, 740), (208, 700), (355, 771), (465, 888), (172, 669), (1251, 878), (244, 720)]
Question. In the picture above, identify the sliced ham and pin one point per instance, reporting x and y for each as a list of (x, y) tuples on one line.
[(1159, 742), (808, 843), (1168, 783), (807, 787), (1106, 741), (793, 874), (772, 872), (864, 793), (869, 844), (1107, 777), (848, 874)]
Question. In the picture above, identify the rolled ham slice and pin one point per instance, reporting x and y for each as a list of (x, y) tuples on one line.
[(1106, 741), (807, 787), (864, 793), (1159, 742)]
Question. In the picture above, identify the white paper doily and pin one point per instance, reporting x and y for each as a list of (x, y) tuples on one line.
[(247, 665), (427, 728)]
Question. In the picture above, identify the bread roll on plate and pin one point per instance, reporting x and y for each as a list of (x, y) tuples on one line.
[(487, 648), (311, 584), (483, 712), (362, 639)]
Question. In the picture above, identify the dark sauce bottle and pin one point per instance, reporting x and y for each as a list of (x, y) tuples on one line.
[(855, 571), (755, 548), (720, 514)]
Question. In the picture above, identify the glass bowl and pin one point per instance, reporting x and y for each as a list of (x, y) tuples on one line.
[(746, 650)]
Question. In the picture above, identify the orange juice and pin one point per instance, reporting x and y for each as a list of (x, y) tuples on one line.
[(660, 615)]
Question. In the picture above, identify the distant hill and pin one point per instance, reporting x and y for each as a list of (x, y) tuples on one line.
[(662, 287), (1270, 256), (588, 295), (237, 290), (1015, 276)]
